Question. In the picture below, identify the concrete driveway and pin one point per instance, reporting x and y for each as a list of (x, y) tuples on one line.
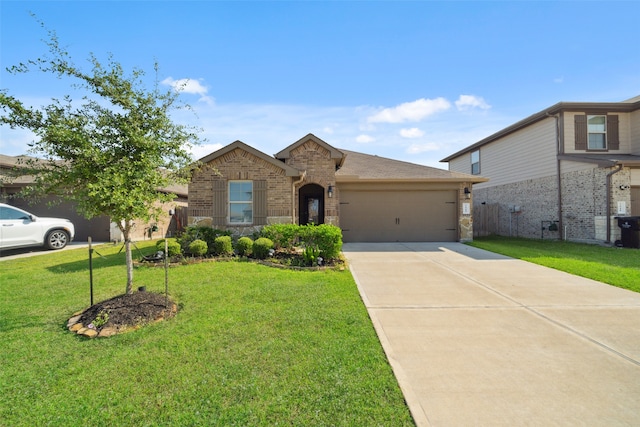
[(479, 339)]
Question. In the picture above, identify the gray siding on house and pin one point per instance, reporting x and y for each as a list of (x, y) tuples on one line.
[(523, 155)]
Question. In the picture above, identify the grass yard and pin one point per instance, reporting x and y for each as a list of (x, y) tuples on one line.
[(615, 266), (251, 345)]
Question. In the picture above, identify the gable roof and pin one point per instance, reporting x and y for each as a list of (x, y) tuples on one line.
[(630, 105), (289, 171), (335, 154), (365, 167)]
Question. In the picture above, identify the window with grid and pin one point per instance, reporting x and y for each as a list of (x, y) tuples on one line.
[(597, 132), (240, 202)]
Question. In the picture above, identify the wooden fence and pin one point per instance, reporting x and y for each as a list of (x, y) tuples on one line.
[(485, 220)]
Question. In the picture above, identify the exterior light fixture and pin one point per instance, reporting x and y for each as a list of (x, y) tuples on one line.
[(467, 193), (330, 191)]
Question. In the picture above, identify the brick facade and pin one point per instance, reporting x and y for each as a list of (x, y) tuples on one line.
[(320, 169), (239, 165), (526, 207)]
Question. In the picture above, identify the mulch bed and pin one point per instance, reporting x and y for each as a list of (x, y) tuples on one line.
[(129, 311)]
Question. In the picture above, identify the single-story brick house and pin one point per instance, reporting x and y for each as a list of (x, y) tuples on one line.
[(564, 172), (371, 198)]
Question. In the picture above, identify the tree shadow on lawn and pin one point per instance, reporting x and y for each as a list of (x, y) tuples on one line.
[(99, 261)]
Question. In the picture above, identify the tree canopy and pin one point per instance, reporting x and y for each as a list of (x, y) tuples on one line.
[(114, 151)]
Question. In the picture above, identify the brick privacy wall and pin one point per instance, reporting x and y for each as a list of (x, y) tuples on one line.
[(239, 165), (321, 170), (583, 198)]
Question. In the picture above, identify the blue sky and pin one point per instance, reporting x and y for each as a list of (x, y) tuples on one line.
[(413, 81)]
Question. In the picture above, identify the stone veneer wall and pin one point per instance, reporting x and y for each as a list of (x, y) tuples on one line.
[(240, 165), (583, 199), (321, 169), (465, 221)]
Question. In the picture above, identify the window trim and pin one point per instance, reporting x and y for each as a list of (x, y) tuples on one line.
[(476, 163), (238, 202)]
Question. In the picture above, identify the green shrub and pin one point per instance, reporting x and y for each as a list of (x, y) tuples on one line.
[(198, 247), (200, 232), (327, 238), (284, 236), (244, 246), (173, 247), (222, 246), (261, 247)]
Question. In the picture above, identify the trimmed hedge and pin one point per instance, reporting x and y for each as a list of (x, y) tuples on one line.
[(198, 247), (173, 247), (326, 238), (207, 234), (261, 247), (284, 236), (244, 246), (222, 246)]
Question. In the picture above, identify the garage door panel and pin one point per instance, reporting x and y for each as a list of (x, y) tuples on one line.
[(384, 216)]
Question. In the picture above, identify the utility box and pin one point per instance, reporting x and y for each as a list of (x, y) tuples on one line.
[(630, 230)]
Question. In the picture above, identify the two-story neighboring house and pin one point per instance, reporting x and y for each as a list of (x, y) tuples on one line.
[(565, 172)]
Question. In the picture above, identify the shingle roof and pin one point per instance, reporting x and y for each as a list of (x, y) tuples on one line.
[(360, 167)]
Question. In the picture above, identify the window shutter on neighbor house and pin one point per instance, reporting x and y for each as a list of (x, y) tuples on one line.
[(260, 202), (219, 202), (613, 138), (581, 132)]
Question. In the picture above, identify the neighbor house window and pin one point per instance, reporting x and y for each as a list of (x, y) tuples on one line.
[(475, 162), (597, 132), (240, 202)]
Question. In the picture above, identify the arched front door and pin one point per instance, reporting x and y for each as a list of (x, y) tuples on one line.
[(311, 204)]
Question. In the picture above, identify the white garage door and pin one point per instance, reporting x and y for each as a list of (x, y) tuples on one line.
[(399, 216)]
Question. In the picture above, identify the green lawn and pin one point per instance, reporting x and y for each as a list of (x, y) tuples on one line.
[(616, 266), (250, 345)]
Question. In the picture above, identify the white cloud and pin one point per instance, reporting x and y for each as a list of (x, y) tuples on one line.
[(200, 151), (410, 111), (411, 133), (421, 148), (364, 139), (189, 86), (558, 80), (467, 102)]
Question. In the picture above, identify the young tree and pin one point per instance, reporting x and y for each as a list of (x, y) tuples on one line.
[(112, 152)]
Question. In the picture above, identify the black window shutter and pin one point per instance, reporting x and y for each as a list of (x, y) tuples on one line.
[(219, 202), (581, 132), (613, 136), (260, 202)]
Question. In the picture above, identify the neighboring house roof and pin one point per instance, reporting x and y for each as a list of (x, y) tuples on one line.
[(10, 162), (587, 107), (365, 167), (290, 171), (336, 154)]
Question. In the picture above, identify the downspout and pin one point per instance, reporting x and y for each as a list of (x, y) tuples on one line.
[(559, 149), (609, 175), (293, 195)]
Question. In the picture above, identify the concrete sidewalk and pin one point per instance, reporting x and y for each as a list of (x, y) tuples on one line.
[(480, 339)]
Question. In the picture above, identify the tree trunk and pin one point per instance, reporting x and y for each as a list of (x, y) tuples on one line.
[(126, 233), (129, 262)]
